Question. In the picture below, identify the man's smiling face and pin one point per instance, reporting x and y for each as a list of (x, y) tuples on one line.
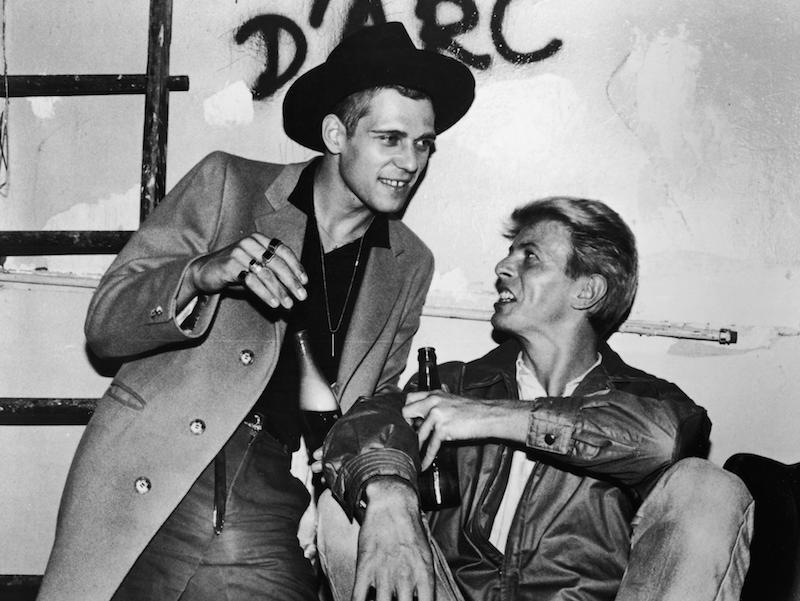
[(535, 293), (388, 151)]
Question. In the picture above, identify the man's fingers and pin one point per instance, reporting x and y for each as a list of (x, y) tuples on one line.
[(414, 397), (276, 278), (430, 452), (285, 253), (428, 440), (286, 277), (383, 591), (257, 287), (279, 270), (424, 431), (413, 411), (405, 592), (426, 584), (361, 586), (270, 279), (426, 591), (418, 404)]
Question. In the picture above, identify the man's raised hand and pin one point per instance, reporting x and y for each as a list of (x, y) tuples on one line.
[(265, 266)]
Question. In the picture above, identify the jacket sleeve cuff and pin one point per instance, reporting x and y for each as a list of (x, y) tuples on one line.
[(355, 473), (196, 317), (549, 429)]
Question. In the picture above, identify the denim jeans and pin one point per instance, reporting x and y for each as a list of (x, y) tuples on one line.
[(691, 537), (257, 554), (690, 540)]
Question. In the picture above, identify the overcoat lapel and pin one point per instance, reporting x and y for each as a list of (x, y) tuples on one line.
[(277, 217), (375, 304)]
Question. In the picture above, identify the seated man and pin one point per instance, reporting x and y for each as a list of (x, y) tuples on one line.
[(573, 478)]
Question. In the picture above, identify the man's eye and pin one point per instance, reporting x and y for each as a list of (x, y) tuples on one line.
[(389, 139), (428, 146)]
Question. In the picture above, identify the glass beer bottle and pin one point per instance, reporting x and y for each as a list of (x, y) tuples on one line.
[(438, 485), (319, 408)]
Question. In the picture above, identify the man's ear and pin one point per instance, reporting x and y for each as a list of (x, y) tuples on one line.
[(333, 133), (593, 289)]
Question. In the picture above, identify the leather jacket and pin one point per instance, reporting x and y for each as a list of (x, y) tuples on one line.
[(597, 452)]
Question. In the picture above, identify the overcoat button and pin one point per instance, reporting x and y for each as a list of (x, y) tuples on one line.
[(549, 438), (197, 426), (142, 485), (247, 357), (156, 312)]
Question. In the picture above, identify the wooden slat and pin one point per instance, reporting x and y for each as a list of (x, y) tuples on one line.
[(156, 109), (30, 411), (19, 587), (23, 86), (29, 243)]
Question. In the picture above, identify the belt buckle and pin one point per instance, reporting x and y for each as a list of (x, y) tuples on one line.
[(257, 423)]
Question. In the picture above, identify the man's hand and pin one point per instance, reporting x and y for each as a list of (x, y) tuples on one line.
[(316, 464), (277, 280), (394, 555), (446, 417)]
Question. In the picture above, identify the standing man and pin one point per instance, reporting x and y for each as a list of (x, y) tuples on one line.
[(180, 487), (576, 471)]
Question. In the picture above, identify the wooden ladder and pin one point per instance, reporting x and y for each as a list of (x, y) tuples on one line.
[(155, 85)]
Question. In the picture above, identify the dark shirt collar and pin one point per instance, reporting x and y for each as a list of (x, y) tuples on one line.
[(303, 198)]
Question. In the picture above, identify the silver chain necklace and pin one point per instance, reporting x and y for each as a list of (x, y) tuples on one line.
[(331, 329)]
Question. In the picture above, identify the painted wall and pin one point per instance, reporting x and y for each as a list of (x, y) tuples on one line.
[(682, 116)]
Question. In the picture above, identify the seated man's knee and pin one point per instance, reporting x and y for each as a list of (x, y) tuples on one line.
[(705, 486), (701, 499)]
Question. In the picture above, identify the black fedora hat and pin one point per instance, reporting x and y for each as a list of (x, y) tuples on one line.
[(373, 56)]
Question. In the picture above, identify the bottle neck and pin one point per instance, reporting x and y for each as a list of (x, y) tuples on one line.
[(303, 345), (428, 378)]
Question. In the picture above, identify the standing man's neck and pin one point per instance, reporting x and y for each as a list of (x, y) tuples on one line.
[(340, 215), (559, 359)]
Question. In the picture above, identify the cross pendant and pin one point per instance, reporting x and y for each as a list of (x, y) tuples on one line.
[(333, 344)]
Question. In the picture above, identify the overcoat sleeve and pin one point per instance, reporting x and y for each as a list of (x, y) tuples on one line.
[(133, 310)]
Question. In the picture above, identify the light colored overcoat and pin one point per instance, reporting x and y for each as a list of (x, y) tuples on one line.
[(180, 395)]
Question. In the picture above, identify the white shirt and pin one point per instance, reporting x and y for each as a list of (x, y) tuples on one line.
[(529, 388)]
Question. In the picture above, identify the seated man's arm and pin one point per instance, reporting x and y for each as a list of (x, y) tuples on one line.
[(372, 439), (370, 461), (625, 436)]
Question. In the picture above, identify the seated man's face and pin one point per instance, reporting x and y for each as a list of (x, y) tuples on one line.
[(388, 151), (535, 294)]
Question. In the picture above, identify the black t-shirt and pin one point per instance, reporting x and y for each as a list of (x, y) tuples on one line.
[(278, 402)]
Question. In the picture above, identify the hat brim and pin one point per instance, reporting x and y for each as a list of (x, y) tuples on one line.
[(447, 82)]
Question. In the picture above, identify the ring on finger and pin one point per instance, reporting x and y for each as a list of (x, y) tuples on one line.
[(270, 252), (256, 266)]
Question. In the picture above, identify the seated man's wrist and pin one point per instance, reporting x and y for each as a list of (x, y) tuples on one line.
[(384, 492), (349, 484)]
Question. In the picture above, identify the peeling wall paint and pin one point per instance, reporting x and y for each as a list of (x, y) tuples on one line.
[(232, 105), (44, 107)]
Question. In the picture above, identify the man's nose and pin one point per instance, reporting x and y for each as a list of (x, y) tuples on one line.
[(407, 158), (504, 268)]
